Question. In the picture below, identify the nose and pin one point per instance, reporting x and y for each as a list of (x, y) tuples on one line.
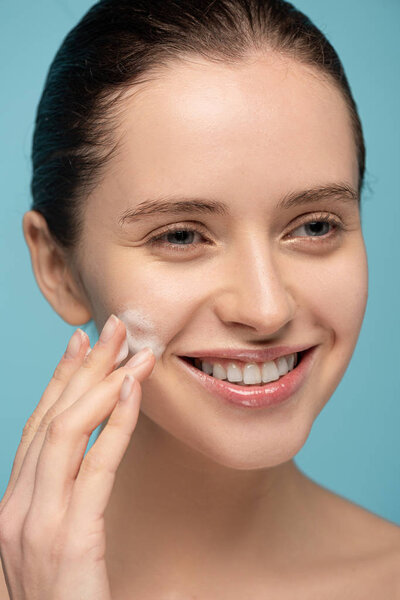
[(254, 290)]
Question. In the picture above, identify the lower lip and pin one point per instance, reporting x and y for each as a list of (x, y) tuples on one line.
[(256, 396)]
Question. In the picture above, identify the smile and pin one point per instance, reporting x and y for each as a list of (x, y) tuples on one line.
[(246, 373), (281, 378)]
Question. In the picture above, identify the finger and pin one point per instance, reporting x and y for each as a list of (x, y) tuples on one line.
[(91, 369), (70, 362), (96, 476), (67, 438), (107, 353), (110, 349)]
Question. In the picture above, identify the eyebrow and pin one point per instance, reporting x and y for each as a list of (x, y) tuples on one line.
[(178, 205)]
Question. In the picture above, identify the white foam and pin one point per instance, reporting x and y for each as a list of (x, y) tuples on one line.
[(141, 332)]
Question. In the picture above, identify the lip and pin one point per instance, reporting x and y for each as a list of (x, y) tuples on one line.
[(260, 396), (246, 355)]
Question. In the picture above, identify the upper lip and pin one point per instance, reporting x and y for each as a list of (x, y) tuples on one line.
[(247, 355)]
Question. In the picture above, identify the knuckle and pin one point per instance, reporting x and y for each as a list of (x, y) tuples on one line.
[(39, 529), (88, 540), (93, 463), (31, 535), (89, 546), (30, 427), (59, 373), (8, 528), (58, 429), (42, 533), (47, 419), (120, 427)]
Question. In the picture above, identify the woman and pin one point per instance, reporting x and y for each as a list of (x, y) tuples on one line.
[(197, 175)]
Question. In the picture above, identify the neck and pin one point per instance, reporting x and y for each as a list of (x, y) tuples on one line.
[(171, 503)]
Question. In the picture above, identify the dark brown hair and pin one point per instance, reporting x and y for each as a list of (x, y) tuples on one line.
[(120, 43)]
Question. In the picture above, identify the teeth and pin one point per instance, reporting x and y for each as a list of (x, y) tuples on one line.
[(251, 373), (234, 373), (206, 367), (282, 365), (269, 372), (219, 371)]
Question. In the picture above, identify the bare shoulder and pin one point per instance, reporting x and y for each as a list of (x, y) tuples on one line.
[(380, 555), (364, 546), (370, 532)]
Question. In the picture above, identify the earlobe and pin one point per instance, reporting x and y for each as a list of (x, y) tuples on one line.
[(52, 272)]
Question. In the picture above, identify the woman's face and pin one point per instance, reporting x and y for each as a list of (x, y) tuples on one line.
[(255, 277)]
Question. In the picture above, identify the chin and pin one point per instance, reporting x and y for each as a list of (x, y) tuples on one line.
[(251, 457), (240, 446)]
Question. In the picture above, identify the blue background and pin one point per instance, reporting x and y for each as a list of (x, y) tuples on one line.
[(354, 446)]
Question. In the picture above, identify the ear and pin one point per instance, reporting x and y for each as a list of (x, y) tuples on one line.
[(53, 273)]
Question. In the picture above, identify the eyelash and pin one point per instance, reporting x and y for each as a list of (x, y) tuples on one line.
[(315, 218)]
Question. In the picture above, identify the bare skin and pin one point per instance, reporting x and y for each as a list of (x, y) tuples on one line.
[(328, 544), (52, 534), (207, 503)]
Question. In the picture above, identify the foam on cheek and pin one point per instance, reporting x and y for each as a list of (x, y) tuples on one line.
[(140, 333)]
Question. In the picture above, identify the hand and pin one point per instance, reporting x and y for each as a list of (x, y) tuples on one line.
[(52, 538)]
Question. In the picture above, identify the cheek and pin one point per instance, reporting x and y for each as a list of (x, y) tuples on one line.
[(338, 292), (335, 296), (162, 301), (153, 301)]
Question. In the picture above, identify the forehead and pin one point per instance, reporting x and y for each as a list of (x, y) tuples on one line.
[(269, 123)]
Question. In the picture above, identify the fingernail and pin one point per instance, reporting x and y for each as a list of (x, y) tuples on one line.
[(123, 353), (74, 344), (108, 329), (139, 357), (126, 388)]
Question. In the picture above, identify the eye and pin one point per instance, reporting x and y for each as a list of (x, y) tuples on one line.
[(183, 238), (179, 239), (319, 226), (180, 236)]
